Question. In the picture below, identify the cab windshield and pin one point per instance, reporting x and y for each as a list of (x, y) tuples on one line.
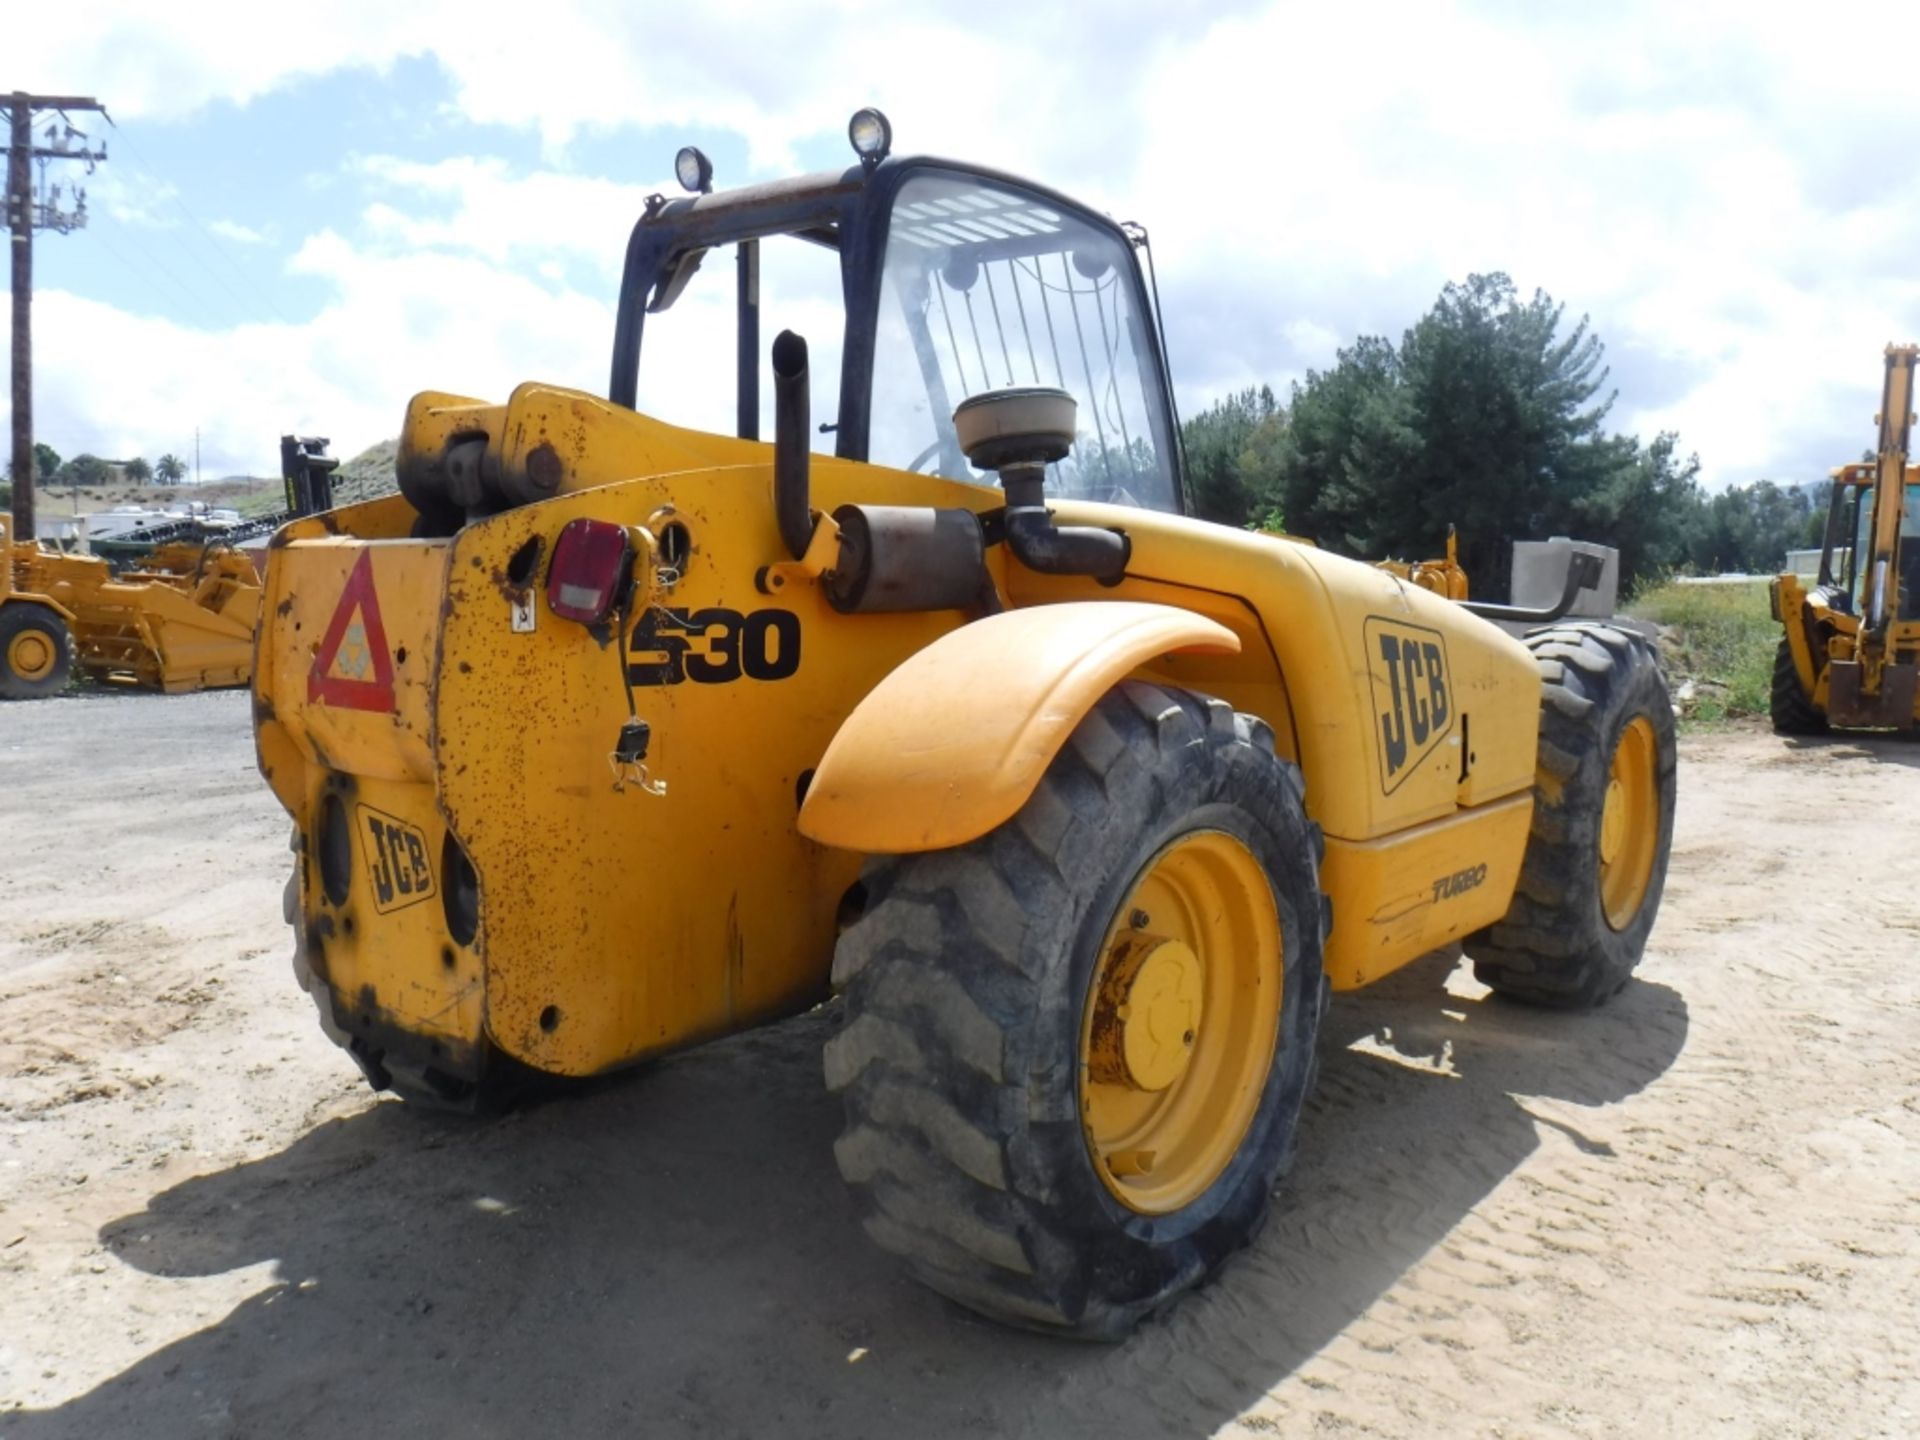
[(985, 287), (1909, 563)]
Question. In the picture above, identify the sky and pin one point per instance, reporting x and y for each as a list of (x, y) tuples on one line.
[(301, 225)]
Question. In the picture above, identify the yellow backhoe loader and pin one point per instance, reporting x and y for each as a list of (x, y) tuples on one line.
[(1848, 655), (606, 736)]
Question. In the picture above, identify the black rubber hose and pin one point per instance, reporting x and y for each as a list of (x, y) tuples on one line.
[(791, 418), (1039, 544)]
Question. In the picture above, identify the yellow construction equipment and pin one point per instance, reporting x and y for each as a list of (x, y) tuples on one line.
[(1848, 655), (183, 620), (607, 736), (36, 630), (1444, 577)]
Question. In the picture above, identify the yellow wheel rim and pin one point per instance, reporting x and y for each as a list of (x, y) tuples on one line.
[(1629, 825), (31, 656), (1180, 1024)]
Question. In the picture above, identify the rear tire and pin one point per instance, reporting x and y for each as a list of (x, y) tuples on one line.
[(1577, 926), (36, 651), (971, 1108), (1788, 705)]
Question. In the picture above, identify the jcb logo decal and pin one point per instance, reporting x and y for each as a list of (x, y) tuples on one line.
[(1412, 701), (398, 869)]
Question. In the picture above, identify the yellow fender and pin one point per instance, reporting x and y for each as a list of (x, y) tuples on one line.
[(953, 741)]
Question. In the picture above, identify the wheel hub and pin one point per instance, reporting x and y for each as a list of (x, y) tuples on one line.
[(1613, 821), (1629, 824), (1146, 1014), (1181, 1021), (30, 656)]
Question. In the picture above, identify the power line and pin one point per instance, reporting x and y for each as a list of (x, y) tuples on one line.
[(172, 193), (156, 264)]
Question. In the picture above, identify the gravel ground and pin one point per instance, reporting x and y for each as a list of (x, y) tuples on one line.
[(1696, 1211)]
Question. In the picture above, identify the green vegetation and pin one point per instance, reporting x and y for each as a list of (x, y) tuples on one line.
[(1718, 648), (1489, 414), (87, 470)]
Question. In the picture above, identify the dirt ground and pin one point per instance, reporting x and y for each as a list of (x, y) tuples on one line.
[(1695, 1212)]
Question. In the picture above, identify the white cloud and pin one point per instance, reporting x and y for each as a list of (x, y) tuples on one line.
[(1714, 185), (240, 234), (129, 199), (1689, 178), (442, 302), (490, 211)]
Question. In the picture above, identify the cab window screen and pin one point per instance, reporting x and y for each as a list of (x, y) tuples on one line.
[(986, 287)]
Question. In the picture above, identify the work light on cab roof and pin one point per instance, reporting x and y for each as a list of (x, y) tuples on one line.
[(693, 170), (872, 135)]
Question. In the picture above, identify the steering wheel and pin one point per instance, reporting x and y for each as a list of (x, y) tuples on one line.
[(923, 457)]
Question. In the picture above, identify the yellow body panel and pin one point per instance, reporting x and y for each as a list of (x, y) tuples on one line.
[(952, 742), (615, 922), (21, 576), (1403, 895), (388, 955), (1313, 610)]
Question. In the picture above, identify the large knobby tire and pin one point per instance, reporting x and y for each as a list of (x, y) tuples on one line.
[(36, 651), (973, 1110), (1603, 797), (1788, 705)]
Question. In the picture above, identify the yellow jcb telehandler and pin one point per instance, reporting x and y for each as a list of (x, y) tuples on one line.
[(605, 737), (1850, 651)]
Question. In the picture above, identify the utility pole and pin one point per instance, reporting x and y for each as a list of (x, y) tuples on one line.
[(31, 208)]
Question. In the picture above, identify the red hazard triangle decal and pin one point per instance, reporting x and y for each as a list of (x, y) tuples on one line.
[(352, 667)]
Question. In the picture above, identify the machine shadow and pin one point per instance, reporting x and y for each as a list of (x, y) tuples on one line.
[(1884, 747), (675, 1255)]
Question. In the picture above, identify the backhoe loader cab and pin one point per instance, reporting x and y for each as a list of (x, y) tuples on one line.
[(607, 736)]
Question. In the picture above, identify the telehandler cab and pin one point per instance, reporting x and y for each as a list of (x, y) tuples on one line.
[(606, 737), (1850, 649)]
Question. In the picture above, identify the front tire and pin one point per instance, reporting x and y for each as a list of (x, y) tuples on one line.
[(1075, 1050), (1603, 796), (36, 651), (1788, 705)]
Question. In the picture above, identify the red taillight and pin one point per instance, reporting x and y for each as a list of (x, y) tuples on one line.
[(589, 563)]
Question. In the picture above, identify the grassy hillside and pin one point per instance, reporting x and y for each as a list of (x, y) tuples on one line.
[(366, 475), (1718, 646)]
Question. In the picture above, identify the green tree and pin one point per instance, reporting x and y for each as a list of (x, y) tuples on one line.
[(1649, 510), (1751, 528), (171, 469), (1490, 415), (1348, 429), (137, 470), (84, 470), (46, 460), (1232, 452)]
